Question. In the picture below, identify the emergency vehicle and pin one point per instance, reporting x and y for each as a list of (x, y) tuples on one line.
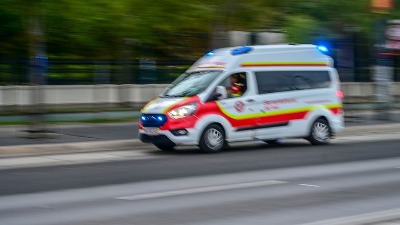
[(265, 92)]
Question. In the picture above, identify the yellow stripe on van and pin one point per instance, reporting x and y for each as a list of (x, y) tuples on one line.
[(277, 112), (171, 106), (148, 104)]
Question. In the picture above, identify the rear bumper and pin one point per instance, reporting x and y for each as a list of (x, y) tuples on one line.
[(337, 125)]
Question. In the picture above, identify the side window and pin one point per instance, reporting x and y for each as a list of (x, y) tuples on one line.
[(235, 84), (279, 81), (301, 83), (273, 81), (316, 79)]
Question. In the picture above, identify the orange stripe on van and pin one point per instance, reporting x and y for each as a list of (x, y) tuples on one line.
[(261, 64)]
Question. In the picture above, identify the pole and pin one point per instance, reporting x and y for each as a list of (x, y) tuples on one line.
[(37, 72)]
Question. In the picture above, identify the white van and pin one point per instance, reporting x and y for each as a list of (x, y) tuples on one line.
[(248, 93)]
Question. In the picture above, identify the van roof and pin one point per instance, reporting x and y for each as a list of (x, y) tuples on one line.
[(264, 56)]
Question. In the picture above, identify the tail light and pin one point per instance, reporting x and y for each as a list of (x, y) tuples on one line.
[(340, 94)]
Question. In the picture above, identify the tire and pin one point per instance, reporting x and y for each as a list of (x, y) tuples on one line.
[(320, 132), (165, 147), (212, 139)]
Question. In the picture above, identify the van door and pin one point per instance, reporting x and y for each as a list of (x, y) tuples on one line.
[(277, 105), (238, 107)]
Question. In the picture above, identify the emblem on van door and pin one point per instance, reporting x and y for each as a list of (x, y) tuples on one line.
[(276, 104), (239, 106)]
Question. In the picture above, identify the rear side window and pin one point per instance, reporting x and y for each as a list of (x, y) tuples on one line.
[(279, 81)]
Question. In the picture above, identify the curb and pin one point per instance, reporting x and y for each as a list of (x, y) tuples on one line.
[(64, 148), (371, 128), (115, 145)]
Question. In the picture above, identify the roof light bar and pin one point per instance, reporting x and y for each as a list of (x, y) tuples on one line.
[(323, 49), (210, 53), (241, 50)]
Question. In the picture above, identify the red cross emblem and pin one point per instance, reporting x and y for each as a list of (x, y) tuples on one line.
[(239, 106)]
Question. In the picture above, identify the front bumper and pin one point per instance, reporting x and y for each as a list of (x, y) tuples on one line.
[(157, 139), (165, 136)]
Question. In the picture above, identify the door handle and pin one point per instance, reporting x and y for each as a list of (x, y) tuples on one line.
[(249, 100)]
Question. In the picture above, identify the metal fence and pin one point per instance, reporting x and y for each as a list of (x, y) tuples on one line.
[(85, 72)]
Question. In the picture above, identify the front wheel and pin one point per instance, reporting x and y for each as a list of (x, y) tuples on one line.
[(165, 147), (320, 132), (212, 139)]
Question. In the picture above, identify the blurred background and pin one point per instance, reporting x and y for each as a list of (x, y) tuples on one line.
[(116, 55)]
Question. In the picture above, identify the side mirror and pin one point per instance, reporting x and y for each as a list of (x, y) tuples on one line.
[(220, 93)]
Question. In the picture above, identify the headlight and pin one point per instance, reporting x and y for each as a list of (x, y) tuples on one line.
[(183, 111)]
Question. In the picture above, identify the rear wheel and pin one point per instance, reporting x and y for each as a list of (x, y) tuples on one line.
[(320, 132), (212, 139), (165, 147)]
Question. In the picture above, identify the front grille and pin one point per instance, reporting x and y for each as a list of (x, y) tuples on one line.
[(153, 120)]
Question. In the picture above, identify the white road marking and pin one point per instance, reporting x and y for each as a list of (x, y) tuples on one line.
[(202, 190), (310, 185), (367, 218), (367, 137), (74, 158)]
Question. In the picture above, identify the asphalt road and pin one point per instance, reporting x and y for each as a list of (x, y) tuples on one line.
[(294, 183), (17, 135)]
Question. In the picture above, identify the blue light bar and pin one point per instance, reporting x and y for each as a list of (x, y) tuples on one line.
[(241, 50), (323, 49), (153, 120), (211, 53)]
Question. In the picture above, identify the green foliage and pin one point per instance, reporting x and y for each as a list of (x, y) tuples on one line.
[(106, 29), (300, 28)]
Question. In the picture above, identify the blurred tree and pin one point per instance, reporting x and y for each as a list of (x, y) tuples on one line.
[(101, 29), (330, 18), (12, 29)]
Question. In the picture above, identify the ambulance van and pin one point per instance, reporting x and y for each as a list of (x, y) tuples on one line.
[(266, 92)]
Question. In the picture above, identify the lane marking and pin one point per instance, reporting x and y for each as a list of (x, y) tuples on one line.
[(201, 190), (367, 137), (309, 185), (365, 218)]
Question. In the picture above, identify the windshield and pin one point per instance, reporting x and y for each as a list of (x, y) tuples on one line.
[(190, 84)]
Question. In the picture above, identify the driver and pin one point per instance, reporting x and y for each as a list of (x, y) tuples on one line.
[(236, 87)]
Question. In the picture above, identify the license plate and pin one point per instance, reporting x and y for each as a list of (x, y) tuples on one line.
[(151, 131)]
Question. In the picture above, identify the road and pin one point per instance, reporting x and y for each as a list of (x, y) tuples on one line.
[(62, 133), (70, 133), (294, 183)]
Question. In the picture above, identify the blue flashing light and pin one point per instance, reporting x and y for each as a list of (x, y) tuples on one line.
[(153, 120), (241, 50), (323, 49), (211, 53)]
